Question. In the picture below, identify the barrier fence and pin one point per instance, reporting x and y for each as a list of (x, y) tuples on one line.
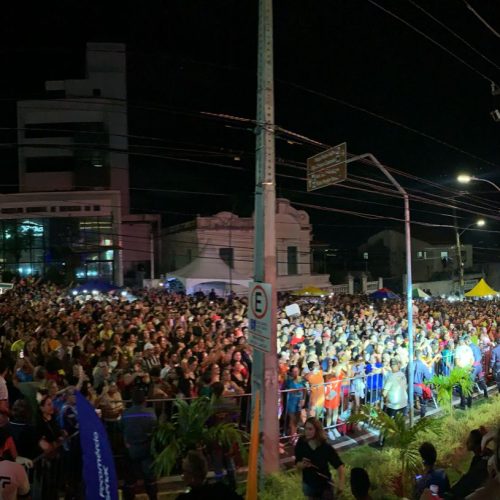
[(332, 402)]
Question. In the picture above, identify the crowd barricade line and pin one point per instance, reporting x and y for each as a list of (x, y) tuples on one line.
[(58, 472), (61, 471)]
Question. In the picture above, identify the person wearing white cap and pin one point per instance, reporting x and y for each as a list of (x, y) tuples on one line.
[(149, 358)]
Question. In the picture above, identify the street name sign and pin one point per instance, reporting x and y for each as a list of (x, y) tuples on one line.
[(327, 168)]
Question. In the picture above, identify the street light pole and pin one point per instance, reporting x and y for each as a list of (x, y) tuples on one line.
[(458, 235), (265, 364), (465, 179), (459, 257), (409, 284)]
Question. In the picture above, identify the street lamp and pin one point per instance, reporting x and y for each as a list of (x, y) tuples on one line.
[(479, 223), (465, 179)]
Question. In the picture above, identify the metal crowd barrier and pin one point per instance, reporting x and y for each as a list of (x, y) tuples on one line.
[(332, 402), (58, 473)]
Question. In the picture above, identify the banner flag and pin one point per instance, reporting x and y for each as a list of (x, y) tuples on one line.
[(99, 474)]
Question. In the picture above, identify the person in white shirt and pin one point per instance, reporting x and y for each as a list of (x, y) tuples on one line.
[(14, 483), (395, 391), (464, 357)]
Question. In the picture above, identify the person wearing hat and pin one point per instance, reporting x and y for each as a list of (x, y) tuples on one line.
[(149, 358)]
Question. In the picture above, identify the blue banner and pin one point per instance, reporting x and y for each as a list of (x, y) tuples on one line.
[(99, 473)]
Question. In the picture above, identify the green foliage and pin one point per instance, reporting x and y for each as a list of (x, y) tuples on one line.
[(283, 486), (444, 385), (400, 436), (188, 430)]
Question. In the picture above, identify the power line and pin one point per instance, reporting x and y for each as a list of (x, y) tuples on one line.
[(109, 149), (481, 19), (456, 35), (430, 39)]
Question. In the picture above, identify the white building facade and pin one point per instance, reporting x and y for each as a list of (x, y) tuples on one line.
[(229, 238), (74, 145)]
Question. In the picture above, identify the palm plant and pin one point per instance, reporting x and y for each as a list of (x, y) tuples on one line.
[(400, 436), (189, 429), (444, 385)]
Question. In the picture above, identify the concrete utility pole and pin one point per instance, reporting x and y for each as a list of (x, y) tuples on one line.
[(265, 364)]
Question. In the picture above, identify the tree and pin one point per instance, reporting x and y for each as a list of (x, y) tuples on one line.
[(401, 436), (444, 385), (189, 429)]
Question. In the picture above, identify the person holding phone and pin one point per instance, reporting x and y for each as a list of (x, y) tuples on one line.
[(313, 456)]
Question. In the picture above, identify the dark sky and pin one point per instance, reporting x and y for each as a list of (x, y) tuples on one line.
[(187, 56)]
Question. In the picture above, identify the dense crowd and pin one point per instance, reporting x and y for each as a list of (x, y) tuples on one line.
[(339, 352)]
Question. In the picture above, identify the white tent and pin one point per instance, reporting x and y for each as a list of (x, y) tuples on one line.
[(207, 273)]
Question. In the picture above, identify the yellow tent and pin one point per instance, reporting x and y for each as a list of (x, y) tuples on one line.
[(482, 289), (311, 291)]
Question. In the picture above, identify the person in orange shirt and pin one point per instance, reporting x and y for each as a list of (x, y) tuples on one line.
[(333, 388), (316, 381)]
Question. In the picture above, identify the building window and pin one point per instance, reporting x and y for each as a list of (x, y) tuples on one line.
[(227, 256), (70, 208), (444, 255), (96, 92), (14, 210), (97, 208), (420, 255), (44, 164), (292, 260), (35, 209), (61, 129)]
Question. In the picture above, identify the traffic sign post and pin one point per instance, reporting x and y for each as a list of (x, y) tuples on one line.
[(259, 316), (327, 168)]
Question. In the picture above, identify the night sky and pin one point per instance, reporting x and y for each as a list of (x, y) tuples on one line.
[(191, 56)]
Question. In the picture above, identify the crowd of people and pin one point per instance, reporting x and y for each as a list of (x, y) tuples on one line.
[(338, 353)]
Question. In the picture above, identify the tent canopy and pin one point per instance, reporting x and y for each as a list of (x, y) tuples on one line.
[(310, 290), (384, 293), (418, 293), (207, 270), (482, 289)]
